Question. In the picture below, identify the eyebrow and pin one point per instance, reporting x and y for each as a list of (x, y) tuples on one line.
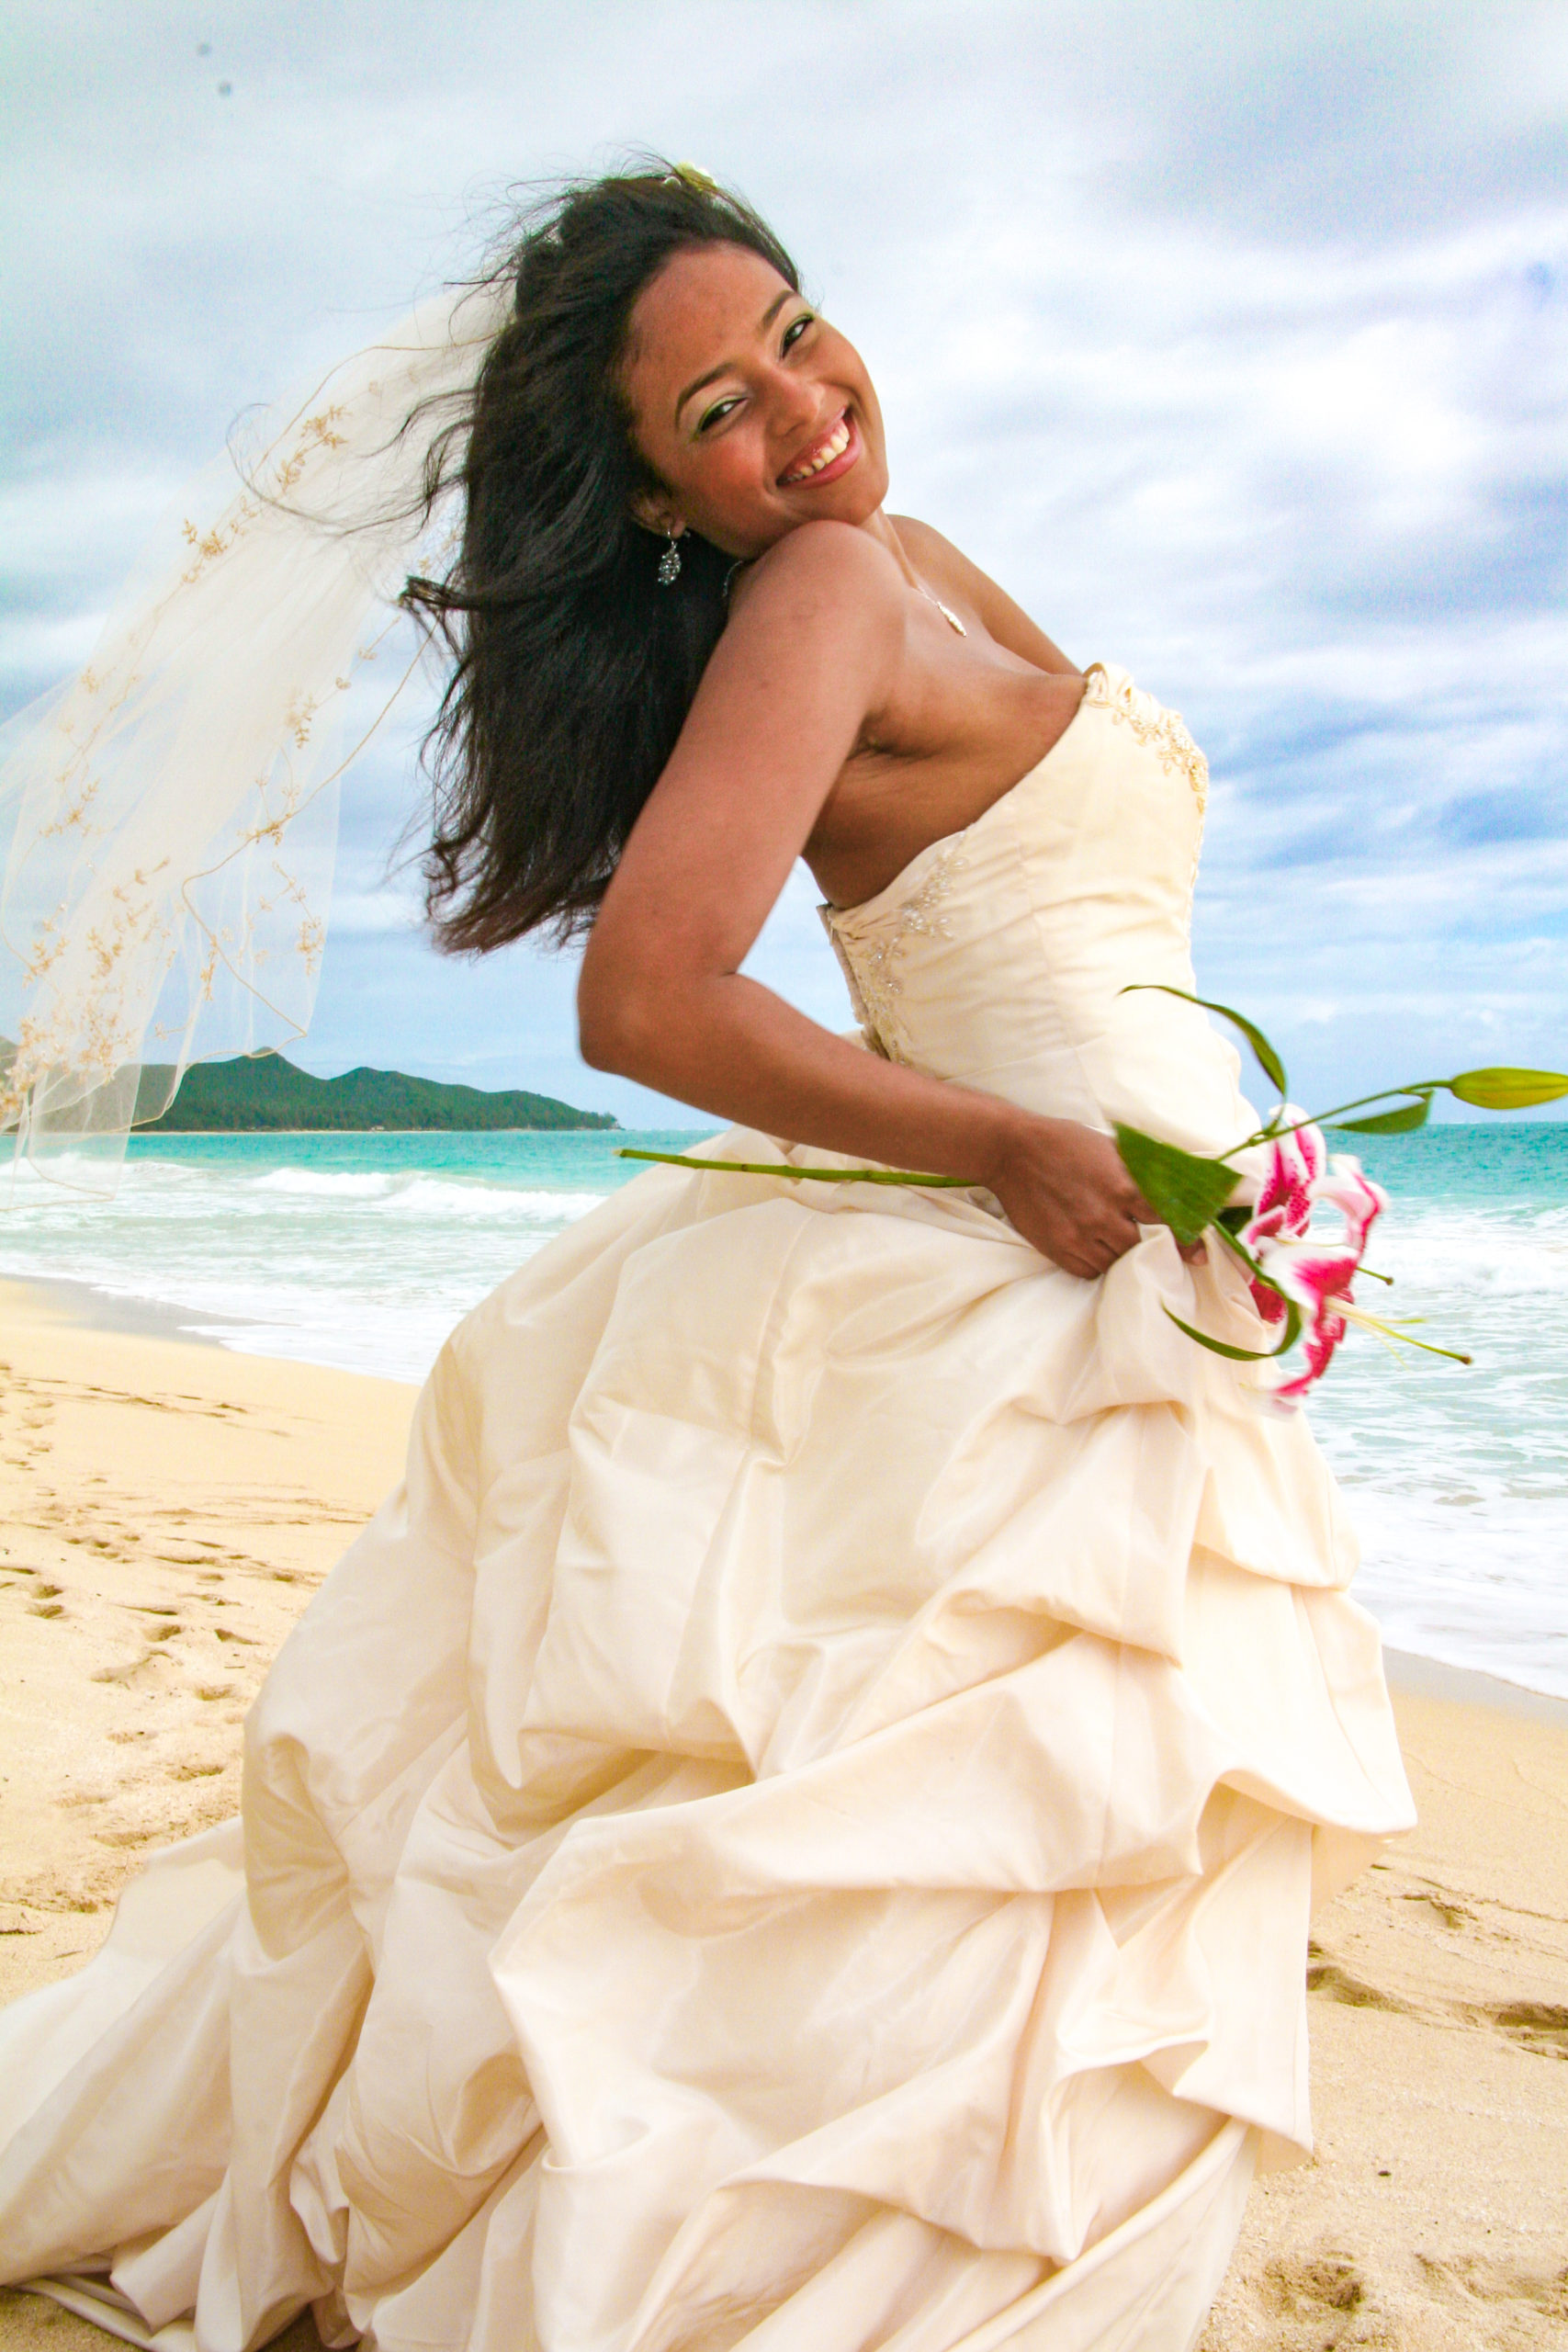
[(769, 315)]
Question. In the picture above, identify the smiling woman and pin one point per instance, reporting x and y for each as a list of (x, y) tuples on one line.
[(795, 1827)]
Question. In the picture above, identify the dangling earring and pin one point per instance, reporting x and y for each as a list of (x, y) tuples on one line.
[(669, 562)]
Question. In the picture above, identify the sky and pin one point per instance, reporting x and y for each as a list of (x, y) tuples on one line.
[(1233, 339)]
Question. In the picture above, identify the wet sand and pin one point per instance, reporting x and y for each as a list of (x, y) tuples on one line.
[(166, 1510)]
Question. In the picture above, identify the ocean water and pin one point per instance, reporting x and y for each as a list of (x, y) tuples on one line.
[(361, 1250), (1457, 1476)]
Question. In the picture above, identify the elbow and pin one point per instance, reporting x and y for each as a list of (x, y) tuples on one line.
[(616, 1032)]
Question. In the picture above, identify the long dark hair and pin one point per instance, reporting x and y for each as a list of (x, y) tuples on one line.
[(572, 668)]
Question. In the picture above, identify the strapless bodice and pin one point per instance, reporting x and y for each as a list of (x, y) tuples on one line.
[(1001, 956)]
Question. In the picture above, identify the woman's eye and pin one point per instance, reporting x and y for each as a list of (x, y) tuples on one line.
[(715, 415), (796, 329)]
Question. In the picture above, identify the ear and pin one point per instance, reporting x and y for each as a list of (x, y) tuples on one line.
[(654, 512)]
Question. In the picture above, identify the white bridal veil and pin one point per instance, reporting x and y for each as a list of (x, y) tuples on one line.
[(172, 810)]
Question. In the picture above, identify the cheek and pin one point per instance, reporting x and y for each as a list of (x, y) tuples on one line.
[(730, 473), (840, 358), (740, 462)]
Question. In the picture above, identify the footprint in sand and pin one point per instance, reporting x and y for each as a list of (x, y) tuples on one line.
[(1327, 1976), (1453, 1915), (1478, 2281), (1538, 2026), (1326, 2299), (1310, 2287)]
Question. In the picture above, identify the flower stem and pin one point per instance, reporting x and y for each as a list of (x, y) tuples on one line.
[(1327, 1118), (907, 1176)]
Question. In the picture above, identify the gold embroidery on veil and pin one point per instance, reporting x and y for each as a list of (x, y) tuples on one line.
[(162, 882)]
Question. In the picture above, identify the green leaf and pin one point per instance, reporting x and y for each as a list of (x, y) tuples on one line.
[(1186, 1192), (1246, 1355), (1508, 1089), (1273, 1068), (804, 1175), (1402, 1121), (1230, 1234)]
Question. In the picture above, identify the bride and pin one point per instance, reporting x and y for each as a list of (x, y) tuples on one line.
[(794, 1827)]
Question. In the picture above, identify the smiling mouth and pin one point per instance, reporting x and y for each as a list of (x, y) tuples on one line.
[(834, 445)]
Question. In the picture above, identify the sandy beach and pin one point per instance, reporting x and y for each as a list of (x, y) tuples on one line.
[(168, 1508)]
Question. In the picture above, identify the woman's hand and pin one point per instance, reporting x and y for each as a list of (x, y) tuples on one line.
[(1064, 1188)]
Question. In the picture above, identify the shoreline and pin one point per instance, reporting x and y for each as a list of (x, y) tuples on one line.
[(88, 1306), (1470, 1686)]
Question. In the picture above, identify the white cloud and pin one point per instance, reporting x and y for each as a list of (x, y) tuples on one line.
[(1239, 360)]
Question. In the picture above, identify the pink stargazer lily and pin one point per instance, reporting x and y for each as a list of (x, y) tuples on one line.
[(1316, 1276), (1318, 1280), (1297, 1161), (1300, 1286)]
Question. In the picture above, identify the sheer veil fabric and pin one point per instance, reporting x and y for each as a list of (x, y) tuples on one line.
[(795, 1827), (170, 815)]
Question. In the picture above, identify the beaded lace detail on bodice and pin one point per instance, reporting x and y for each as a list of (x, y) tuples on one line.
[(998, 956)]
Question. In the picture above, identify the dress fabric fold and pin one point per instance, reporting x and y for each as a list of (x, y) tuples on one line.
[(794, 1827)]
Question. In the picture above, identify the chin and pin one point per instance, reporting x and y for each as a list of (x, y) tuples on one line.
[(853, 501), (867, 493)]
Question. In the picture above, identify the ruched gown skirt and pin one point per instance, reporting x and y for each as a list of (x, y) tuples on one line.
[(793, 1829)]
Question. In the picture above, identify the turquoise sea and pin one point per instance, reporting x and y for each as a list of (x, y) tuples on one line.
[(361, 1250)]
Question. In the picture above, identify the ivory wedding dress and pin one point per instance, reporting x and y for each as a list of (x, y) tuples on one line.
[(794, 1827)]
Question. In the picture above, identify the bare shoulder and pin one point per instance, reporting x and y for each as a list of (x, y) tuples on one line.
[(816, 626), (824, 569), (936, 557), (924, 540)]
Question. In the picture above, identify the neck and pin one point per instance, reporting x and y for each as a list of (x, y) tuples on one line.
[(880, 529)]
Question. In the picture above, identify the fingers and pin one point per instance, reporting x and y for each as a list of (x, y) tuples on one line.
[(1092, 1254), (1084, 1268), (1088, 1255), (1077, 1204)]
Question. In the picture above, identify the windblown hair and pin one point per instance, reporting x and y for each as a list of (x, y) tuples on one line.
[(572, 670)]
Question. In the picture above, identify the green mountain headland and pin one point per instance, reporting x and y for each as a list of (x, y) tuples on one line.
[(266, 1091)]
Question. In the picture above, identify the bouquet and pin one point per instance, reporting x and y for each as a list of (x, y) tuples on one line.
[(1301, 1281)]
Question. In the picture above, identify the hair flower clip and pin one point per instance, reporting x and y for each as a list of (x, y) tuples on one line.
[(699, 181)]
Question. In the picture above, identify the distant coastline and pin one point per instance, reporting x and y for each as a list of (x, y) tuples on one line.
[(582, 1123), (266, 1094)]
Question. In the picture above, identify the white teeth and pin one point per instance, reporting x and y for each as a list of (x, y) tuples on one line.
[(838, 441)]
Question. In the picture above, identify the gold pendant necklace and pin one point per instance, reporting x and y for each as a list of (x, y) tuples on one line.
[(949, 616)]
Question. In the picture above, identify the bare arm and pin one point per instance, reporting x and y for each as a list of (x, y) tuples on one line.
[(805, 663)]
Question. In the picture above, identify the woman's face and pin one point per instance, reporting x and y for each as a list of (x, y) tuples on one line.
[(754, 414)]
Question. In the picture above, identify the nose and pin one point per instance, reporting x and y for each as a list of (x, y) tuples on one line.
[(792, 401)]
